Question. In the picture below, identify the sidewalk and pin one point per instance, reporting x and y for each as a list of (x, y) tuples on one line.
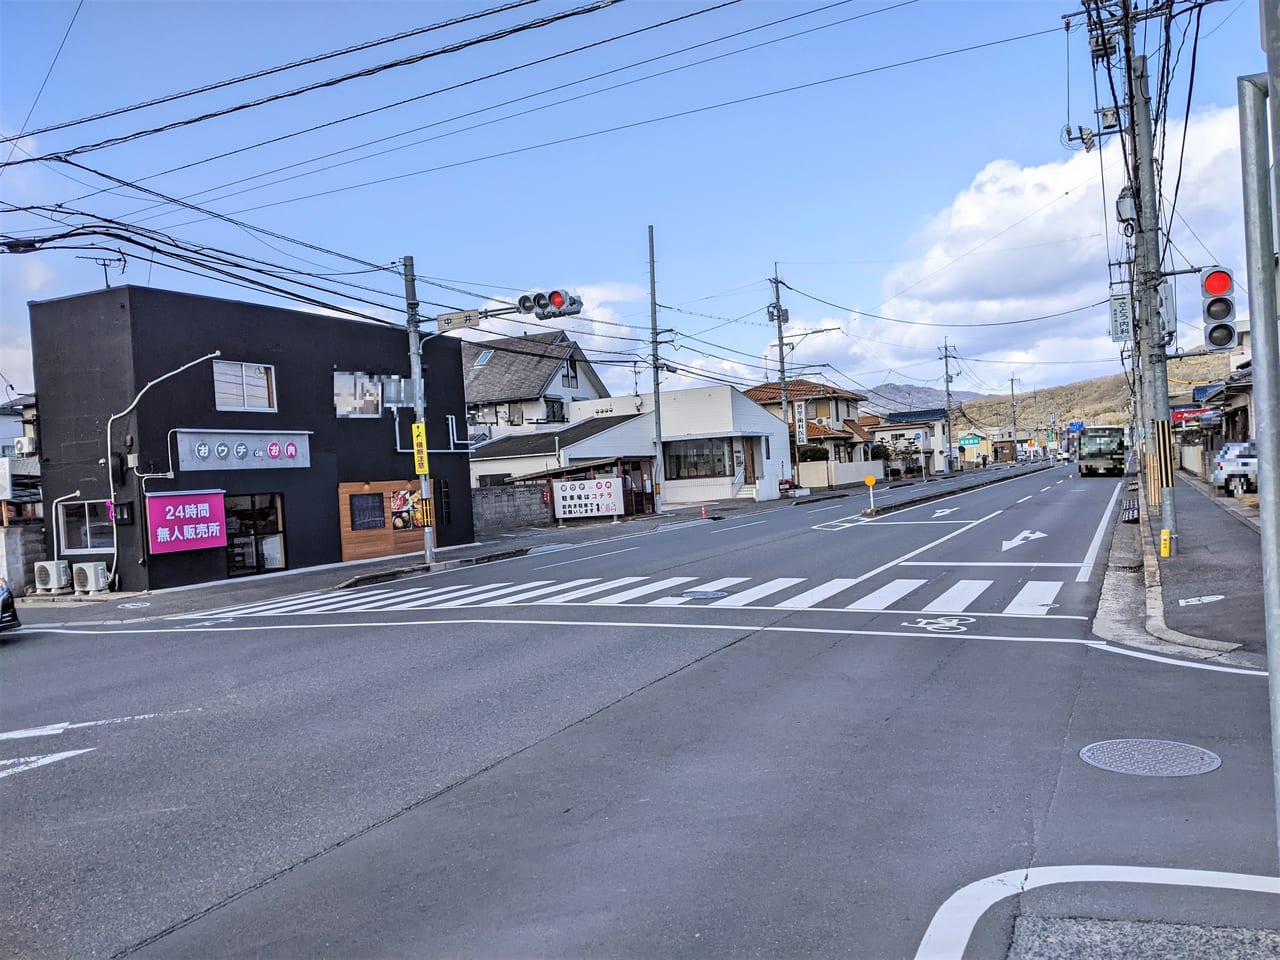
[(1209, 594)]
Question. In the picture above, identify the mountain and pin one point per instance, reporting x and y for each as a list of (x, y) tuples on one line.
[(1100, 400), (896, 397)]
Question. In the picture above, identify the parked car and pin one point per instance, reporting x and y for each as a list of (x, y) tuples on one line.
[(8, 609), (1235, 468)]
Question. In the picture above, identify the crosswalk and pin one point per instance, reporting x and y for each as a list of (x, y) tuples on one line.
[(1032, 598)]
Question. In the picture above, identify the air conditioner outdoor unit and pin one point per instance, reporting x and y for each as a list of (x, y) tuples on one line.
[(91, 578), (25, 446), (53, 576)]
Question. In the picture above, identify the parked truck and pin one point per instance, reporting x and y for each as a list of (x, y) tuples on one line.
[(1101, 450)]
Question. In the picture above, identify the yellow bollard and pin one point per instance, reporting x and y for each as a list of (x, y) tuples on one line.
[(1164, 543)]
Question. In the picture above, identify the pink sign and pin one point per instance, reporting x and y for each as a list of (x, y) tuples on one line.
[(186, 521), (273, 450)]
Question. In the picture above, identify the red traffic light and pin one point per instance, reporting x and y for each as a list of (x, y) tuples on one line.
[(1216, 283), (557, 299)]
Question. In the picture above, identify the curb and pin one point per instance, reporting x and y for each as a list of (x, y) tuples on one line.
[(915, 501)]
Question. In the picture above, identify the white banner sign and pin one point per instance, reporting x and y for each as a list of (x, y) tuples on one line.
[(601, 497), (1121, 319), (802, 424)]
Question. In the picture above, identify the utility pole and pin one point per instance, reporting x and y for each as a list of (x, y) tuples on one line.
[(657, 403), (413, 321), (1147, 276), (780, 315), (947, 354), (1013, 406)]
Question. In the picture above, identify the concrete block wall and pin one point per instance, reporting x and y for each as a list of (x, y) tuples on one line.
[(21, 548), (499, 510)]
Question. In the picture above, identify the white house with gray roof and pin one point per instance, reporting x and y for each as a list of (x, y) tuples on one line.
[(524, 384)]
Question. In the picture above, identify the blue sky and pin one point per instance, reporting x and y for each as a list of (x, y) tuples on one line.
[(884, 167)]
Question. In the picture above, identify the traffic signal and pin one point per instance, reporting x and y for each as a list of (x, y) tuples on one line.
[(1217, 293), (555, 303)]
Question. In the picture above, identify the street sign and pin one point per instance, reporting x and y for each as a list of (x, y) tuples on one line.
[(1192, 413), (457, 320), (420, 466), (970, 441), (802, 423), (1121, 319), (1075, 426)]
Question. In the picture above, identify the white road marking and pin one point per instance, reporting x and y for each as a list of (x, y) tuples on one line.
[(542, 591), (1023, 500), (928, 546), (755, 593), (401, 596), (1026, 536), (490, 594), (53, 729), (880, 599), (1194, 664), (907, 523), (595, 588), (1050, 487), (959, 596), (838, 506), (640, 591), (30, 763), (952, 926), (1035, 599), (1086, 568), (802, 601), (723, 529), (987, 563), (713, 586), (594, 556), (430, 601), (944, 511)]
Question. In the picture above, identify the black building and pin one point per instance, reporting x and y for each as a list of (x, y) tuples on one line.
[(291, 448)]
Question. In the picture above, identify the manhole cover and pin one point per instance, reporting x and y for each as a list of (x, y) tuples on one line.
[(1150, 758), (704, 594), (136, 605)]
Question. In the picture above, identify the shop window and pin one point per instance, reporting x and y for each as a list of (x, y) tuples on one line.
[(244, 386), (697, 459), (85, 526), (357, 395), (368, 511)]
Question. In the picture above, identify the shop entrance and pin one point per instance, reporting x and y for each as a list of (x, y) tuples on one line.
[(255, 534)]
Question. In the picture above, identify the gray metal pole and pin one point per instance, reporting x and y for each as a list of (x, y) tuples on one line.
[(657, 403), (1146, 280), (1013, 406), (412, 321), (1265, 339)]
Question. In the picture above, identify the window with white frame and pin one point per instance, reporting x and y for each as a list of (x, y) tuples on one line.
[(244, 386), (357, 394), (569, 376), (85, 526)]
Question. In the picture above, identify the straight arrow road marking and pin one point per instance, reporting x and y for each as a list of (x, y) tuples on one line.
[(1024, 537)]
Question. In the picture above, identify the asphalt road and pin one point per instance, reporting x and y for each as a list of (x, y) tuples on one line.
[(797, 733)]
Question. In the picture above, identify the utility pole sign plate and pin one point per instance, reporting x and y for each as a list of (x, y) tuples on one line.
[(1121, 319), (420, 449)]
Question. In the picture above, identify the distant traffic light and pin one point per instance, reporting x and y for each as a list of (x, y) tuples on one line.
[(556, 303), (1217, 293)]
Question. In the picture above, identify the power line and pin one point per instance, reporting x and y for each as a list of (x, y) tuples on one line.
[(333, 81), (47, 74)]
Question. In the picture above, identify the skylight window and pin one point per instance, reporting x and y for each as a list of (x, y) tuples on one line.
[(483, 358)]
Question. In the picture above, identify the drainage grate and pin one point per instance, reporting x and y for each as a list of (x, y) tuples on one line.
[(704, 594), (1150, 758)]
